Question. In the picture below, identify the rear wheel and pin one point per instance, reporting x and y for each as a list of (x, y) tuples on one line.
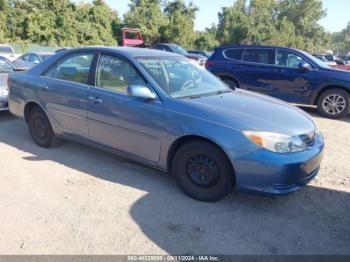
[(41, 130), (334, 103), (230, 82), (202, 171)]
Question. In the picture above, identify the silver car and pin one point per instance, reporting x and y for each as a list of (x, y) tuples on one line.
[(6, 67), (29, 60)]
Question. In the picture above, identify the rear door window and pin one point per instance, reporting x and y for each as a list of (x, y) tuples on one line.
[(260, 56), (74, 68), (234, 53)]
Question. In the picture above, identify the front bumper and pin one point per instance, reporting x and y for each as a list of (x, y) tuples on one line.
[(269, 173), (4, 103)]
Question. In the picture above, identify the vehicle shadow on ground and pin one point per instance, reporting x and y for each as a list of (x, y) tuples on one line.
[(313, 112), (312, 221)]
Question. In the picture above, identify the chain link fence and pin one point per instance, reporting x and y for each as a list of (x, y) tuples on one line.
[(25, 48)]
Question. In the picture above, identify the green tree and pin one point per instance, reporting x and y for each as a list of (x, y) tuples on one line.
[(233, 24), (146, 15), (206, 40), (341, 41), (58, 22), (180, 29), (305, 15), (291, 23)]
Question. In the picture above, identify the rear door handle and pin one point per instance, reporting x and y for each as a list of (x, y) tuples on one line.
[(95, 100), (278, 70)]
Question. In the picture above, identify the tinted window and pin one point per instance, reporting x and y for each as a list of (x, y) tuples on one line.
[(116, 74), (287, 58), (34, 58), (74, 68), (234, 53), (6, 50), (5, 67), (261, 56), (26, 58), (161, 47)]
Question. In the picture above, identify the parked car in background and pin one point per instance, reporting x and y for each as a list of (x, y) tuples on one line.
[(206, 54), (173, 48), (61, 49), (162, 110), (132, 37), (6, 67), (324, 59), (8, 52), (29, 60), (336, 62), (288, 74)]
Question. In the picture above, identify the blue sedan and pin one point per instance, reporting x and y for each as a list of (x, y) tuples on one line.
[(163, 110)]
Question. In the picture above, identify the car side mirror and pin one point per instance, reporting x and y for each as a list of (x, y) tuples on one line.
[(141, 91), (305, 66), (36, 62)]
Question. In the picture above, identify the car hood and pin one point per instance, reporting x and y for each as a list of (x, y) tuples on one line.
[(245, 110), (196, 57), (343, 74)]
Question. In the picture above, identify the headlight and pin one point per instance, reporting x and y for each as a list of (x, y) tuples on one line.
[(4, 92), (275, 142)]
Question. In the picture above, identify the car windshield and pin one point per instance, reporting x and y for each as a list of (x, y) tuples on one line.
[(181, 78), (6, 50), (178, 49), (315, 60)]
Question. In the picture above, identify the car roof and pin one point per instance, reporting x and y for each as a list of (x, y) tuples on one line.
[(126, 51), (256, 46)]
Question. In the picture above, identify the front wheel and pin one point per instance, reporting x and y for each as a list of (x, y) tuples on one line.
[(41, 130), (202, 171), (334, 103)]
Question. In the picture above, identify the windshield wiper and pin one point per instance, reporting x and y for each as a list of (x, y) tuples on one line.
[(220, 92), (192, 97)]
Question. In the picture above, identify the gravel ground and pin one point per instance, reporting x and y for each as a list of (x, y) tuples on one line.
[(77, 200)]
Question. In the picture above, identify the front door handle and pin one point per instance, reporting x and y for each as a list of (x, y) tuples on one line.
[(278, 70), (44, 86), (95, 100), (239, 66)]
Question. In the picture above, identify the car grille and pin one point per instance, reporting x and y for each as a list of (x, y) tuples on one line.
[(309, 139)]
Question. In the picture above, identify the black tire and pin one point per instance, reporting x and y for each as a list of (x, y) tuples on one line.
[(199, 158), (333, 111), (41, 130), (230, 82)]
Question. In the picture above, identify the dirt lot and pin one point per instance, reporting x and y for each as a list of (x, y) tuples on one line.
[(77, 200)]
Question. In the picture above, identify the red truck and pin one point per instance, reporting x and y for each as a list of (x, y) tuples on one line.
[(132, 37)]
